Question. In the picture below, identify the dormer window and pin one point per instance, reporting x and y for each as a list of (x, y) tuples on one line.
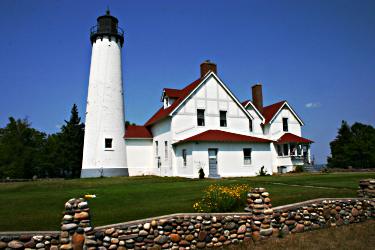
[(166, 102)]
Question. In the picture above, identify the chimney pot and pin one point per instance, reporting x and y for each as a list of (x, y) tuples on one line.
[(257, 96), (208, 66)]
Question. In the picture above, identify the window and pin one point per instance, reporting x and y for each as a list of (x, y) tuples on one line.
[(279, 150), (251, 125), (166, 150), (293, 149), (285, 149), (247, 156), (184, 157), (223, 118), (200, 117), (108, 143), (166, 102), (156, 148), (285, 124)]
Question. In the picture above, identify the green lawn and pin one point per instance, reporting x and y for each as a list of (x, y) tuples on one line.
[(38, 205)]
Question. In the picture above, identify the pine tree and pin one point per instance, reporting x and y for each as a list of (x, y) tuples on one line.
[(70, 145)]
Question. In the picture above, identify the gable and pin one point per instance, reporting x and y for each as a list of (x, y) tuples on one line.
[(212, 94), (249, 106), (272, 112)]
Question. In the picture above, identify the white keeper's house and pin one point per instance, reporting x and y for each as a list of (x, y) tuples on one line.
[(205, 126), (202, 125)]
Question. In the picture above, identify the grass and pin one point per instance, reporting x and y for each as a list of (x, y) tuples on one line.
[(354, 236), (38, 205)]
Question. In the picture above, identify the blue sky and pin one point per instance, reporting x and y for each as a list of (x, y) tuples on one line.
[(318, 55)]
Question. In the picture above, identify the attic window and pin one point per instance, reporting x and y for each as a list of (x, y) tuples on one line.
[(200, 117), (223, 118), (285, 124), (251, 125)]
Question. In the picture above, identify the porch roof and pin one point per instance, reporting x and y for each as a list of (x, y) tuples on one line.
[(289, 137), (223, 136)]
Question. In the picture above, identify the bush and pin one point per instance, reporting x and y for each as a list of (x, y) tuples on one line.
[(218, 198), (201, 173), (298, 169), (325, 170), (262, 172)]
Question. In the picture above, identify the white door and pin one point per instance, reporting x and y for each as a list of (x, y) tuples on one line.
[(212, 162)]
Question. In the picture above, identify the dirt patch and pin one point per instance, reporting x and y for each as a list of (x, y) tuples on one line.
[(355, 236)]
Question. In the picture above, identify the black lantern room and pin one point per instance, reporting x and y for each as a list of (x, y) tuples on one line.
[(107, 25)]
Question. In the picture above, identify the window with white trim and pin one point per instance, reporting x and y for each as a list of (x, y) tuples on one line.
[(184, 157), (166, 150), (108, 143), (247, 156), (200, 117), (285, 124), (156, 148), (223, 118)]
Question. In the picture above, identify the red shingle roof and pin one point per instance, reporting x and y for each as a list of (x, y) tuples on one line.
[(244, 103), (172, 93), (163, 113), (223, 136), (270, 111), (134, 131), (288, 137)]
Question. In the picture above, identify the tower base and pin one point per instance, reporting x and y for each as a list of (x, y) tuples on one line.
[(104, 172)]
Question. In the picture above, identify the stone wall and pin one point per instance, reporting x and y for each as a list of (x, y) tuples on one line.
[(192, 231), (366, 188)]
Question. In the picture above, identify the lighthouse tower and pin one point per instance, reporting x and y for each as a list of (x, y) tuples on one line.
[(104, 146)]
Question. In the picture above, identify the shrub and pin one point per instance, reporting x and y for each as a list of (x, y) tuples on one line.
[(325, 170), (201, 173), (218, 198), (298, 169), (262, 172)]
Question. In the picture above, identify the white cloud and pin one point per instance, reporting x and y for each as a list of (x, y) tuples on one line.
[(313, 105)]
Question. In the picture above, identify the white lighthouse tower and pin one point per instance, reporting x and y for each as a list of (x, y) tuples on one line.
[(104, 151)]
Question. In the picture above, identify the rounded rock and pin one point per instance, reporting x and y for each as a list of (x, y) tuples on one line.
[(175, 238)]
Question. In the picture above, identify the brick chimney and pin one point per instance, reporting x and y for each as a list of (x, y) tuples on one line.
[(208, 66), (258, 96)]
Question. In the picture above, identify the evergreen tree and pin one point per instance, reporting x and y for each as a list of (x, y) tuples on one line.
[(70, 145), (20, 149), (354, 146)]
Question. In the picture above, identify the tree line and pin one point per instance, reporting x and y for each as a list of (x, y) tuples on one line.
[(26, 152), (353, 147)]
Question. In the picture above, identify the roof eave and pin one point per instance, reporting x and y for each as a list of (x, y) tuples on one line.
[(291, 109), (256, 110)]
